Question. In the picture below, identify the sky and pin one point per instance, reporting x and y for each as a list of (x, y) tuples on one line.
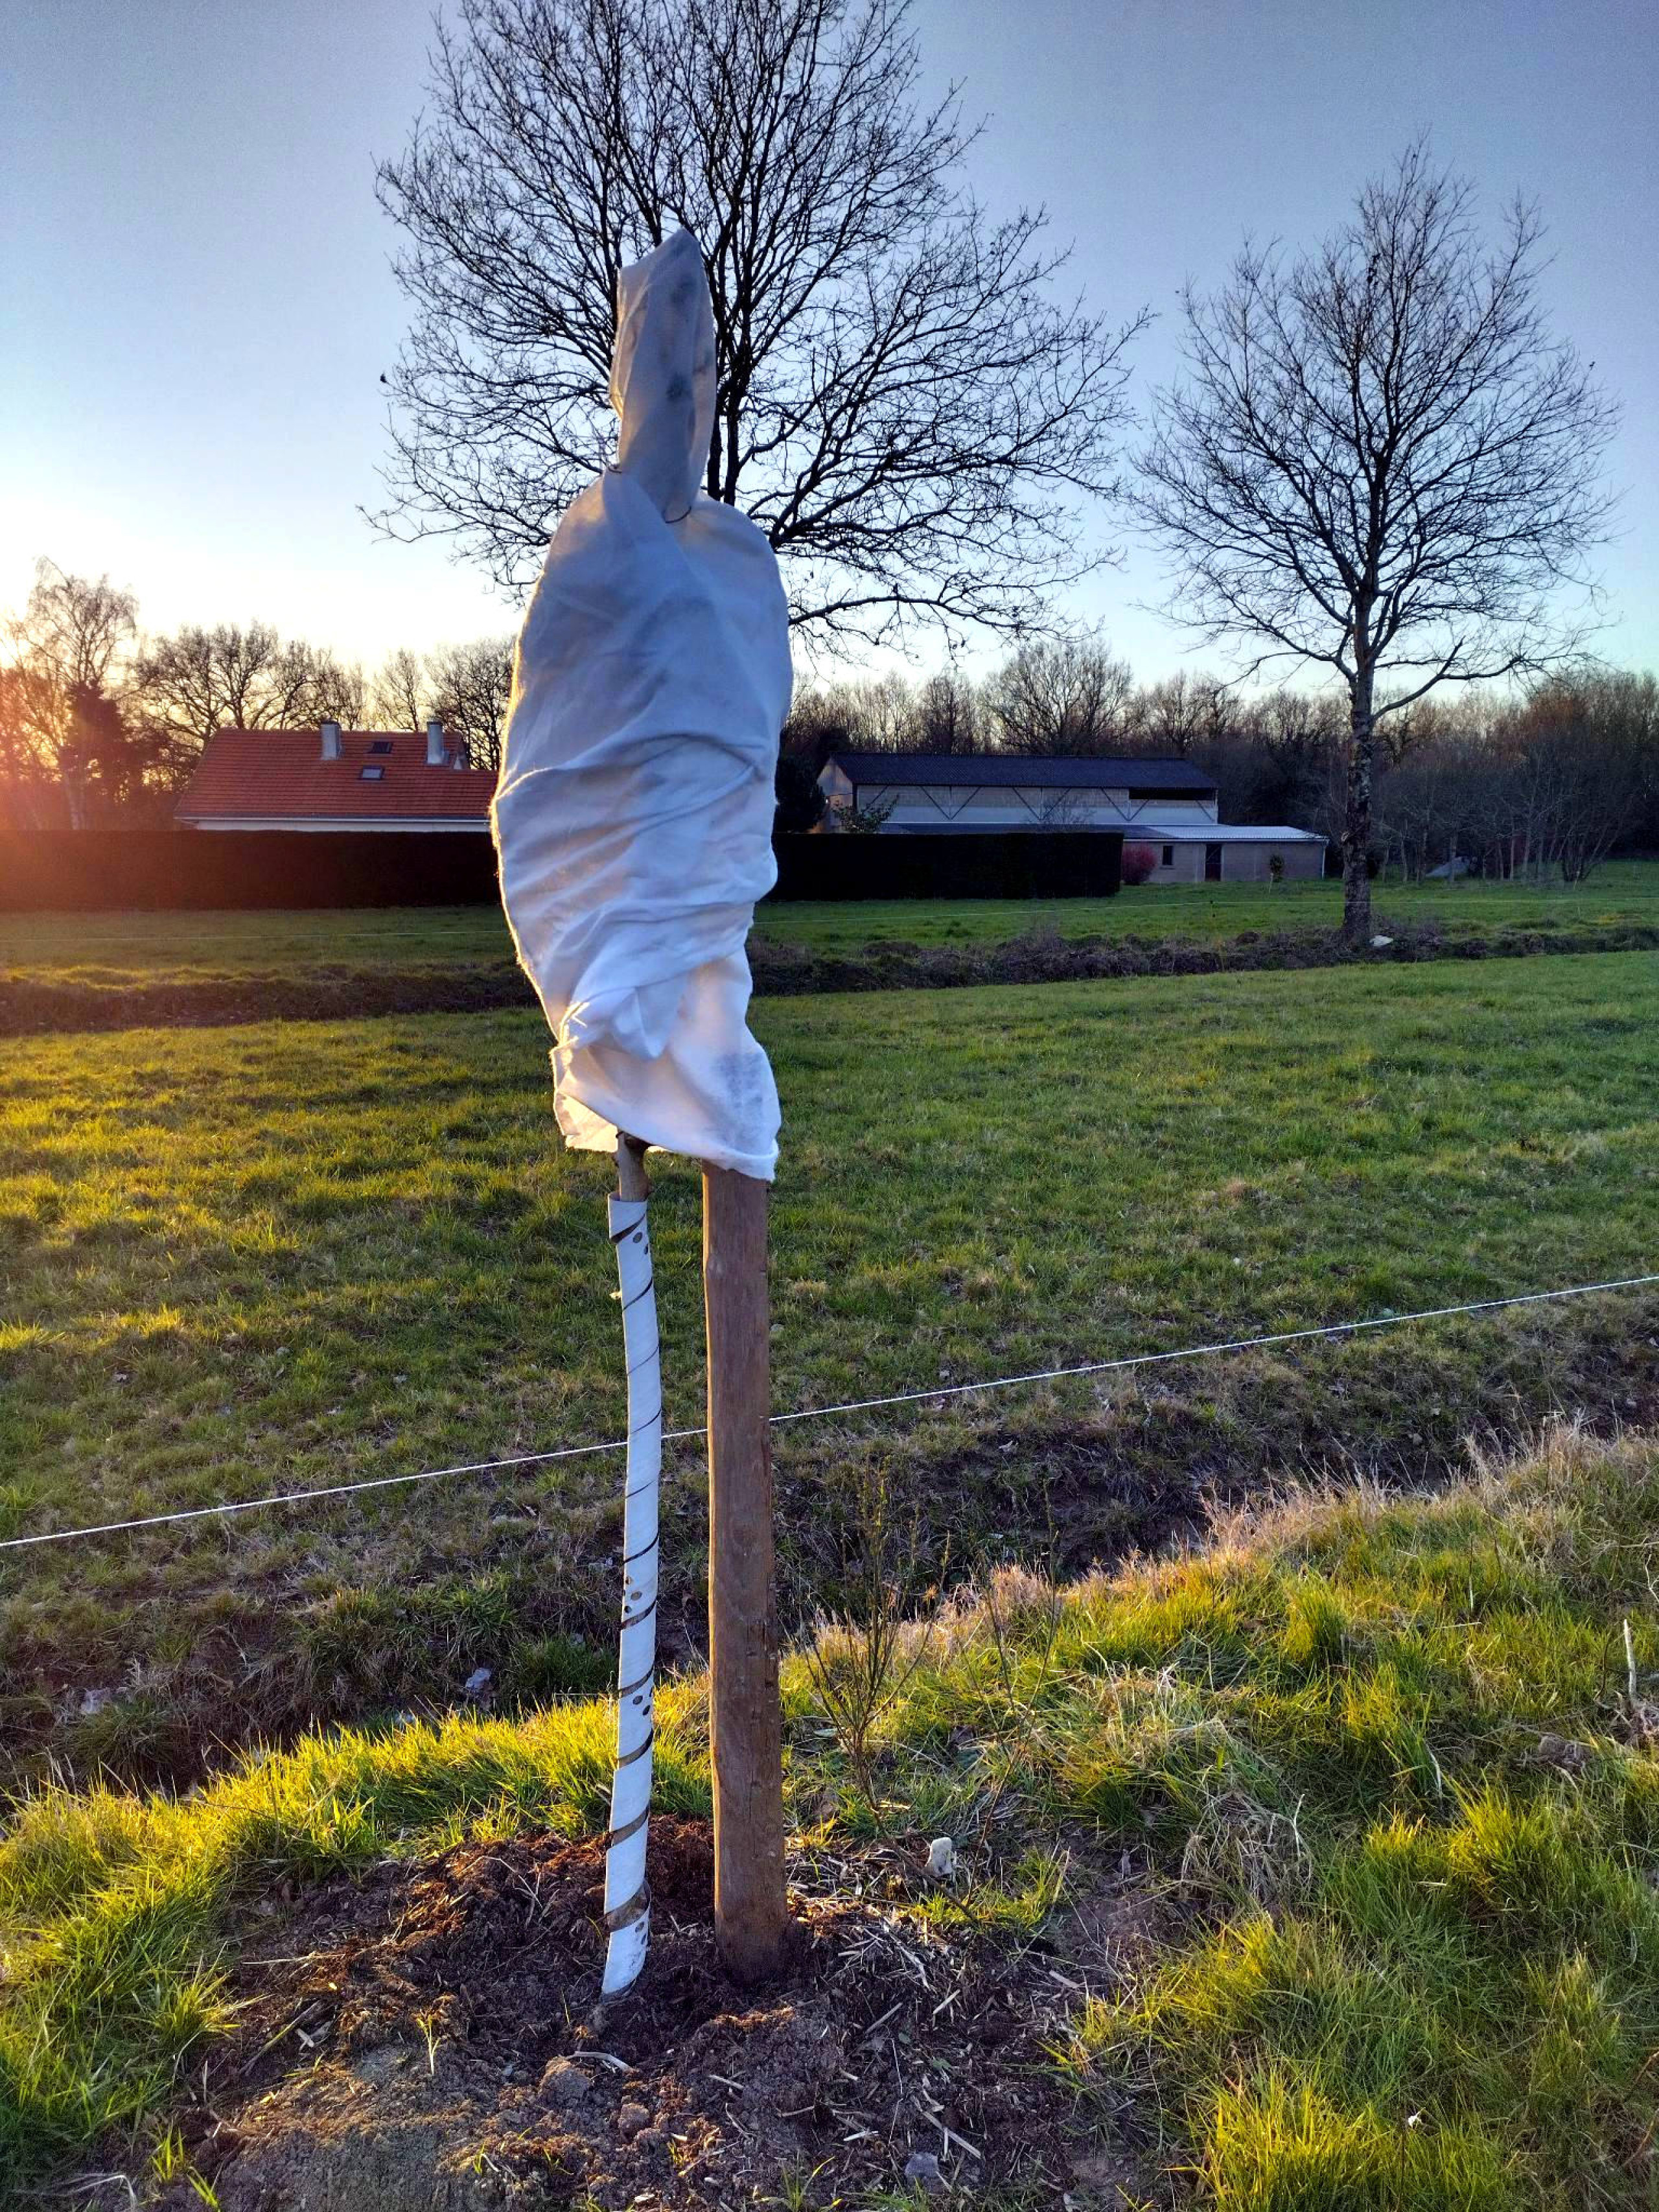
[(197, 301)]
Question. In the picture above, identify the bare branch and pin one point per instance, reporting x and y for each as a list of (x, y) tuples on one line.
[(903, 404)]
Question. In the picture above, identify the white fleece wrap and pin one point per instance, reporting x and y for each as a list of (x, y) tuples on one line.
[(633, 813)]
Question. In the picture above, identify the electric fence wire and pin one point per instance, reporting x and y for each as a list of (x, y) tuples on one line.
[(1329, 1329)]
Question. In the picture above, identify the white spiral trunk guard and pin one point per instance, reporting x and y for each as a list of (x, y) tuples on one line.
[(627, 1893)]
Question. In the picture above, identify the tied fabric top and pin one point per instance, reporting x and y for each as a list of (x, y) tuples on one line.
[(633, 818)]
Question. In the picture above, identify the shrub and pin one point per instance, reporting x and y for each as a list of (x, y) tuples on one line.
[(1138, 861)]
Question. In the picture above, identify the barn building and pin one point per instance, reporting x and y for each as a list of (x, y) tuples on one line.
[(1165, 802)]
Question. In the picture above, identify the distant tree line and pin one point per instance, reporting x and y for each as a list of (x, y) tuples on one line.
[(1549, 779), (101, 722)]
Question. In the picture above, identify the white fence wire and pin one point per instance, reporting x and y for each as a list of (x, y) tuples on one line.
[(1334, 1329)]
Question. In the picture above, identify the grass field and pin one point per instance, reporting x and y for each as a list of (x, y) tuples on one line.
[(1361, 1787), (253, 1259), (1625, 891), (111, 950), (114, 949)]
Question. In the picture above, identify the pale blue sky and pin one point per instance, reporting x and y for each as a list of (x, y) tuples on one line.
[(197, 305)]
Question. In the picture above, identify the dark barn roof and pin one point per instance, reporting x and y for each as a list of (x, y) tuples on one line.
[(1027, 771)]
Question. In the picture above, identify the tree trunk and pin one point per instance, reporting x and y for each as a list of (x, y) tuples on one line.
[(1356, 817)]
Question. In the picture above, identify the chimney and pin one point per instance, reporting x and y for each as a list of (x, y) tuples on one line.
[(331, 733), (436, 753)]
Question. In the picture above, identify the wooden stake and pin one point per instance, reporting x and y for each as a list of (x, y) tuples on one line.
[(632, 1181), (745, 1719)]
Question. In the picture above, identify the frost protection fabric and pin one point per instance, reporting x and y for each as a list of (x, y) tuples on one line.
[(633, 817)]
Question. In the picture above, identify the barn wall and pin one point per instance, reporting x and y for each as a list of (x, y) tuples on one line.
[(993, 807), (1251, 863)]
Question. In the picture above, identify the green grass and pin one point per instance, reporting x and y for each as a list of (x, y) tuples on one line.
[(240, 1261), (1433, 1980), (128, 948), (1623, 892), (116, 949), (1397, 1819)]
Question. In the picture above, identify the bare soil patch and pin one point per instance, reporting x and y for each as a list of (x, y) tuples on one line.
[(432, 2037)]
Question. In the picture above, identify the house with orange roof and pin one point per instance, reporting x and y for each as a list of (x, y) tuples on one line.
[(331, 778)]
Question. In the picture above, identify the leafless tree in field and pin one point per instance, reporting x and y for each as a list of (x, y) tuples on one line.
[(904, 405), (1061, 694), (1381, 461)]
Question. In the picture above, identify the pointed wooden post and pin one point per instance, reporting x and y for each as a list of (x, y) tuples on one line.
[(745, 1719)]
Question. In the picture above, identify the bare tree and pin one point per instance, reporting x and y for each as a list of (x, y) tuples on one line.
[(819, 724), (78, 628), (1182, 712), (1577, 758), (60, 727), (1428, 809), (400, 691), (472, 690), (297, 684), (1381, 461), (902, 405), (185, 686), (1298, 737), (883, 711), (198, 680), (1061, 694), (878, 713), (948, 717), (335, 690)]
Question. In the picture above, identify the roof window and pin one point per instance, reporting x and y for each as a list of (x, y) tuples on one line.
[(381, 745), (370, 775)]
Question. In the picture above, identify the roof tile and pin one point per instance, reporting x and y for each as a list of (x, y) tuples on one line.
[(280, 775)]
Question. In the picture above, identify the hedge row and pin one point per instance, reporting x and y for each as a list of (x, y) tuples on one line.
[(81, 871)]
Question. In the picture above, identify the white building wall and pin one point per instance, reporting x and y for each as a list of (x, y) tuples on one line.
[(967, 807), (1242, 862), (1174, 828)]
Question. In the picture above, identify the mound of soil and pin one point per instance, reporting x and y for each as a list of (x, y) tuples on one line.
[(434, 2037), (781, 970), (29, 1006)]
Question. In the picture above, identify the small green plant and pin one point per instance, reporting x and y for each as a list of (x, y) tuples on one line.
[(171, 2162), (862, 1656)]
